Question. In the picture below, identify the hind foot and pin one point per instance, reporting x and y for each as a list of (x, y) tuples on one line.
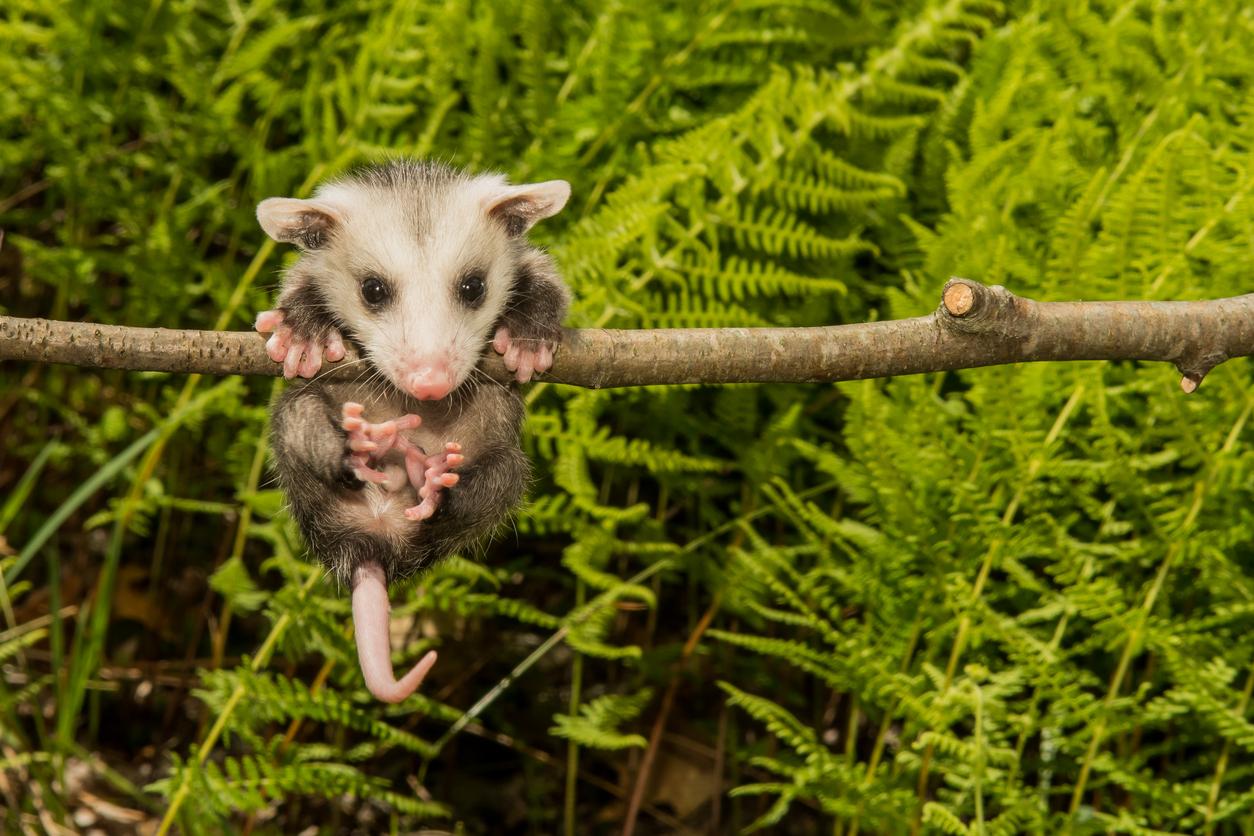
[(369, 443)]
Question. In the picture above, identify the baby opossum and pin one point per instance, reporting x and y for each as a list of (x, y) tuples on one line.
[(423, 268)]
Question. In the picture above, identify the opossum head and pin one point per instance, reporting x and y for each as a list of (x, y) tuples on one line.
[(414, 261)]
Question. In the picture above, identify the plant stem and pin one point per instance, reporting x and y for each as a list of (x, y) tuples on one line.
[(206, 746), (572, 746)]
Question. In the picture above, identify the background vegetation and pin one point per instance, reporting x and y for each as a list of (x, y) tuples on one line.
[(1009, 600)]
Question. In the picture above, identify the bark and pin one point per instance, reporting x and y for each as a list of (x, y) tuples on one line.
[(974, 326)]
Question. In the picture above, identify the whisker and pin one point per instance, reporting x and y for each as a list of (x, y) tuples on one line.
[(489, 378)]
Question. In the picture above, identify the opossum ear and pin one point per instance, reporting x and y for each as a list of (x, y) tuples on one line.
[(305, 223), (519, 207)]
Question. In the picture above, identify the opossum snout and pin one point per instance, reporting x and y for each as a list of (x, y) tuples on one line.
[(428, 381)]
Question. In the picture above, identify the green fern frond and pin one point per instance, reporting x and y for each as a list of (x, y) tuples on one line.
[(598, 721), (779, 721), (15, 645), (778, 232), (249, 784), (513, 608), (817, 197), (273, 698), (584, 558), (590, 629), (942, 818)]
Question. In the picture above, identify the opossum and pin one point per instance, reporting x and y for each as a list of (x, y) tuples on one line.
[(425, 269)]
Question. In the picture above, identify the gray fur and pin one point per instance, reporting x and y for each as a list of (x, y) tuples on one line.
[(311, 461), (538, 300), (344, 520)]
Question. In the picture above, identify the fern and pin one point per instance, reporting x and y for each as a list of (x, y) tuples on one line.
[(598, 720), (249, 784), (1012, 600), (270, 698)]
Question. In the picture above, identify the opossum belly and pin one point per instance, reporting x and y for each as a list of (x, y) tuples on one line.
[(379, 509)]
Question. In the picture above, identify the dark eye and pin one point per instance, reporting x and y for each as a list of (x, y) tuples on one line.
[(471, 289), (374, 290)]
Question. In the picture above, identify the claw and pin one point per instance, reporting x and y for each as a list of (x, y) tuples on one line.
[(312, 361), (526, 365), (368, 443), (430, 475), (511, 356), (500, 342)]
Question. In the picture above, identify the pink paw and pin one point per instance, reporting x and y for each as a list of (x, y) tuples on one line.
[(523, 357), (299, 356), (368, 443), (430, 475)]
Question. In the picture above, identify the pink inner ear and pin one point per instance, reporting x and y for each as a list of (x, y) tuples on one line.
[(285, 218), (521, 206)]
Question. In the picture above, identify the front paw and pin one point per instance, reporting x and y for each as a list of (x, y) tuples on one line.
[(524, 357), (300, 354)]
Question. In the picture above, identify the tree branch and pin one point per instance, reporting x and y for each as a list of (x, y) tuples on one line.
[(974, 326)]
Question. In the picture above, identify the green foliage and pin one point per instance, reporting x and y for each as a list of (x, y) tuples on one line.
[(251, 783), (1007, 600), (270, 699), (598, 720)]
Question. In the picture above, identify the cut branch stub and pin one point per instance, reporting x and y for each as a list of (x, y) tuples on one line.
[(958, 297), (971, 308)]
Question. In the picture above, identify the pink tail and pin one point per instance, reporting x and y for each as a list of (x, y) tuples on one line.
[(374, 651)]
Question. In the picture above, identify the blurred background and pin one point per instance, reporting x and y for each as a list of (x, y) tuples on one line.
[(1008, 600)]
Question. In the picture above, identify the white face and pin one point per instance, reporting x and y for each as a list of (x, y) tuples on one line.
[(420, 294), (419, 268)]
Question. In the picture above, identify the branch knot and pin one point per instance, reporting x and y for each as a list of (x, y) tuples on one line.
[(969, 307)]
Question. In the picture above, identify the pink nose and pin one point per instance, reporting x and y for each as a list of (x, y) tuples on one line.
[(429, 382)]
